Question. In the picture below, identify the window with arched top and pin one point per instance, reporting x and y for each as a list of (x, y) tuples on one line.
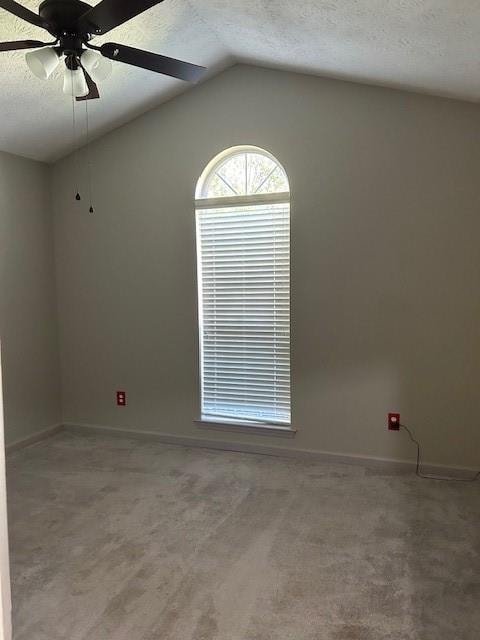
[(242, 204), (242, 171)]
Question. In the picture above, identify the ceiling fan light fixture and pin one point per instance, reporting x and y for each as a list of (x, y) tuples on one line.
[(73, 23), (98, 67), (74, 83), (42, 62)]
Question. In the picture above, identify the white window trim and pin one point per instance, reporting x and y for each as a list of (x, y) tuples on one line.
[(239, 426), (233, 201)]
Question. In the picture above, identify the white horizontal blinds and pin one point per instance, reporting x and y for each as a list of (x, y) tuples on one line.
[(244, 291)]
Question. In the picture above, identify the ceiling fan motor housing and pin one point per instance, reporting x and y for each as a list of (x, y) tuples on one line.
[(64, 14)]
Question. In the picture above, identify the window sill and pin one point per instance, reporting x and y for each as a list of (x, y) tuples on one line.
[(245, 427)]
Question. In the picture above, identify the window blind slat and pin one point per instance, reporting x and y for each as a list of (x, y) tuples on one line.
[(244, 296)]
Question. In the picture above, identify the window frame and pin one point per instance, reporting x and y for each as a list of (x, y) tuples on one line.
[(267, 427)]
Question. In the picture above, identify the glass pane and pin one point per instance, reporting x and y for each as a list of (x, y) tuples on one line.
[(259, 168), (233, 172), (246, 174), (276, 182), (217, 188)]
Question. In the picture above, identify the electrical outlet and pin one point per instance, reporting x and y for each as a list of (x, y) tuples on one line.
[(393, 422), (121, 398)]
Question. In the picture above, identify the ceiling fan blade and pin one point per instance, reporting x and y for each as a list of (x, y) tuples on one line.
[(110, 13), (24, 13), (152, 61), (22, 44), (92, 88)]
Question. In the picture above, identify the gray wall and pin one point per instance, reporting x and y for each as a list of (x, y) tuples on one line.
[(28, 322), (385, 263)]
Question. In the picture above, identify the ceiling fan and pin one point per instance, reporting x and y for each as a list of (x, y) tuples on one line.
[(73, 24)]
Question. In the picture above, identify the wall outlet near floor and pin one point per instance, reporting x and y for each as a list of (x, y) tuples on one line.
[(393, 422), (121, 398)]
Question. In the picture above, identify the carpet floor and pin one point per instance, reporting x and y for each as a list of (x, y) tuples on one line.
[(119, 539)]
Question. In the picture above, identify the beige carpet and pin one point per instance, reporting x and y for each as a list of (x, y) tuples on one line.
[(116, 539)]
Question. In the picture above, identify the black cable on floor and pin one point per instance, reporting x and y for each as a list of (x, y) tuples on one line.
[(426, 476)]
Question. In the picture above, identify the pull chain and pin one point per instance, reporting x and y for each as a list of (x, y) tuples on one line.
[(75, 152), (89, 160)]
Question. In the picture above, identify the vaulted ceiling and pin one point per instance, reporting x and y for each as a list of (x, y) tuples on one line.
[(424, 45)]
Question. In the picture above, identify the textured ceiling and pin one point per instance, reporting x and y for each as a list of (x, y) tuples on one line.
[(424, 45)]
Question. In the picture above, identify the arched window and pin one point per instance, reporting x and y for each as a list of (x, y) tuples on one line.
[(243, 253)]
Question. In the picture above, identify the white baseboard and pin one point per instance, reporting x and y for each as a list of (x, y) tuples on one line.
[(32, 439), (407, 466)]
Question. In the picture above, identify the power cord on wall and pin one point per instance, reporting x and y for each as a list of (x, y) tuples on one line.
[(426, 476)]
